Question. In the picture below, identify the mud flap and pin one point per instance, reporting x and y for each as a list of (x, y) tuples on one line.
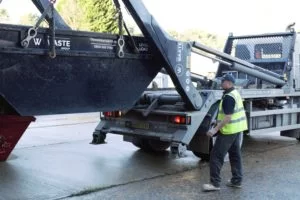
[(11, 130)]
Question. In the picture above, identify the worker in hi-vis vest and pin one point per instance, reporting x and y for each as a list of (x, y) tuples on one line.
[(231, 122)]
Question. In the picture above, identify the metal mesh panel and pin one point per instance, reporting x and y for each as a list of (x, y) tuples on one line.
[(261, 49), (271, 52)]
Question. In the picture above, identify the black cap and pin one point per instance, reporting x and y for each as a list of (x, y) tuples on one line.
[(228, 77)]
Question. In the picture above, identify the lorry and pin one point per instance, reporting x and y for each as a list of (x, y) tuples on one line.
[(160, 118), (57, 70), (266, 67)]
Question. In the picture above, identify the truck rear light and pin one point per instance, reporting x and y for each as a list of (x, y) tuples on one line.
[(107, 114), (113, 114), (177, 119), (117, 114)]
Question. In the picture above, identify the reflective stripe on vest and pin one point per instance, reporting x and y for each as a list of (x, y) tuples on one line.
[(238, 122)]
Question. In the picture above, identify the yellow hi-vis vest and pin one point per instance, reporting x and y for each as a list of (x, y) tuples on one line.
[(238, 121)]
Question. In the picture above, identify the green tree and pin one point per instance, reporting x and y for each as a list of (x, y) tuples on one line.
[(31, 19), (101, 15), (211, 40), (73, 13), (28, 19), (90, 15), (4, 17)]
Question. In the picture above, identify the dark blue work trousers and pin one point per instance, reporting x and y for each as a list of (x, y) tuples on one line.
[(224, 144)]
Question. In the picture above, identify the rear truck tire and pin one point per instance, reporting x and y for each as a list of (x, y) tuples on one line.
[(139, 143), (158, 146), (204, 156), (136, 142), (201, 145), (150, 144), (294, 133), (145, 145)]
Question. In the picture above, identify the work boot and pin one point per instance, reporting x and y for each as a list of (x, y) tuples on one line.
[(210, 187), (230, 184)]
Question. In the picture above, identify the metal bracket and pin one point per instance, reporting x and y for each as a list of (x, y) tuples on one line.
[(178, 149), (152, 106), (121, 44), (98, 137)]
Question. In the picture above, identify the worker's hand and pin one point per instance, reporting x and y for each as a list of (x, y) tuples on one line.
[(211, 132)]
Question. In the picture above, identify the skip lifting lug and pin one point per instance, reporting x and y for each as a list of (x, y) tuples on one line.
[(121, 44), (121, 41), (31, 33)]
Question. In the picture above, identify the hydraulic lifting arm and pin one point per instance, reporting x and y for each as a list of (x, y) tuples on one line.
[(176, 55), (239, 64)]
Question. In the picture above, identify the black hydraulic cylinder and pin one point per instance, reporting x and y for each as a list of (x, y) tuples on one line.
[(148, 98), (194, 77), (169, 99), (232, 59), (243, 66), (258, 74)]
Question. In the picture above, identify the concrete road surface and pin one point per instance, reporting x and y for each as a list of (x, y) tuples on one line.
[(54, 160), (271, 172)]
